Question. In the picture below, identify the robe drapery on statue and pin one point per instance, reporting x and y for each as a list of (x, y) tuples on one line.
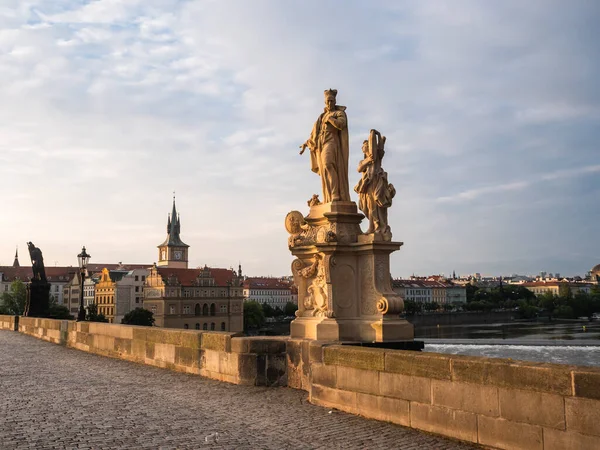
[(329, 150)]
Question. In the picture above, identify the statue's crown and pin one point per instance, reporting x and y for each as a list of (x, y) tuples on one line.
[(331, 93)]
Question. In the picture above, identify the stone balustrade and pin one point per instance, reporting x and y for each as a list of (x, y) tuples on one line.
[(498, 403)]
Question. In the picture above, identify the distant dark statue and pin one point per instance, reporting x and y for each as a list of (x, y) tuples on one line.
[(38, 290), (37, 262)]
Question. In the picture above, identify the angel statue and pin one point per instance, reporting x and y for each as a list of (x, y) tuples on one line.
[(375, 194)]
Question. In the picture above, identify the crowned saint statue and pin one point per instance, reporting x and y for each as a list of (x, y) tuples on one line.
[(328, 144)]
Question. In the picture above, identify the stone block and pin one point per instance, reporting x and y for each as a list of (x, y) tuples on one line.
[(358, 380), (586, 383), (164, 352), (550, 378), (150, 351), (466, 397), (138, 349), (191, 339), (247, 368), (405, 387), (265, 345), (502, 433), (429, 365), (315, 350), (333, 398), (123, 346), (239, 345), (323, 375), (383, 408), (583, 415), (139, 333), (561, 440), (276, 370), (449, 422), (187, 356), (211, 361), (357, 357), (215, 340), (534, 408)]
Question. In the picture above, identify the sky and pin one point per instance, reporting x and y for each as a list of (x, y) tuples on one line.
[(491, 112)]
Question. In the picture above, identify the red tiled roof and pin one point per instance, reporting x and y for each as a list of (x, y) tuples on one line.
[(552, 284), (187, 277), (62, 273), (266, 283), (421, 284)]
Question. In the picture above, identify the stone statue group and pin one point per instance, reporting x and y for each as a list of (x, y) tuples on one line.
[(329, 151)]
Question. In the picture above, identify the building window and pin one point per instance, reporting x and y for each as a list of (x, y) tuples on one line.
[(137, 278), (137, 299), (213, 309), (172, 309), (205, 309), (222, 326), (153, 309), (212, 326), (186, 309), (197, 309), (223, 308), (205, 327), (185, 326), (137, 289), (197, 326)]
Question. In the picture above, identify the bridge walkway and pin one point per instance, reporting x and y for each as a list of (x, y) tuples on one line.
[(56, 397)]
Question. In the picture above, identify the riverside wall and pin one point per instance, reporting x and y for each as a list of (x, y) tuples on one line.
[(497, 403)]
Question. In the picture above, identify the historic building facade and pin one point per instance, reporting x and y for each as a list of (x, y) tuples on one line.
[(202, 299), (276, 292)]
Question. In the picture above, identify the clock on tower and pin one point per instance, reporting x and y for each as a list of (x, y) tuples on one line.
[(173, 251)]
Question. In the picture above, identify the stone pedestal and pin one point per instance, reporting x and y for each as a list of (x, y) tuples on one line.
[(343, 278), (37, 302)]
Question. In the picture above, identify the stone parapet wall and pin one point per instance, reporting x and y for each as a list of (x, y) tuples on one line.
[(221, 356), (9, 322), (494, 402), (498, 403)]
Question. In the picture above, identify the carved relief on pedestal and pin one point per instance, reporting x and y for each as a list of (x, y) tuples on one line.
[(302, 233), (368, 294), (316, 298)]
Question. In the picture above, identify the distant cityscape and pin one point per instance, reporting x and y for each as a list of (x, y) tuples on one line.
[(211, 298)]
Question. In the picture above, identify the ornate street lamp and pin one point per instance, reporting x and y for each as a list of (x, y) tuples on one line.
[(83, 259)]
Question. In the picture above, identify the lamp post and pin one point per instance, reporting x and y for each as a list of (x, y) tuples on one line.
[(83, 259)]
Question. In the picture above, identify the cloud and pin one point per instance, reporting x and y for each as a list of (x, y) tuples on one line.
[(109, 106)]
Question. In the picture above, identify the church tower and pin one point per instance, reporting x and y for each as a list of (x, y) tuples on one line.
[(16, 261), (173, 252)]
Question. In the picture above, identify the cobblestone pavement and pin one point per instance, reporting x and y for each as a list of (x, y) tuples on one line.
[(56, 397)]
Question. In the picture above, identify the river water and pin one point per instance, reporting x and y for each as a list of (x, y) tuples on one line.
[(575, 343)]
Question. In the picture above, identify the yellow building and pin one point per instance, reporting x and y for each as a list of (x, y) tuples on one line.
[(104, 296)]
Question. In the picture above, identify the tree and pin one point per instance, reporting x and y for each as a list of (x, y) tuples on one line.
[(290, 309), (13, 301), (139, 316), (93, 316), (564, 291), (268, 310), (254, 316), (59, 312)]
